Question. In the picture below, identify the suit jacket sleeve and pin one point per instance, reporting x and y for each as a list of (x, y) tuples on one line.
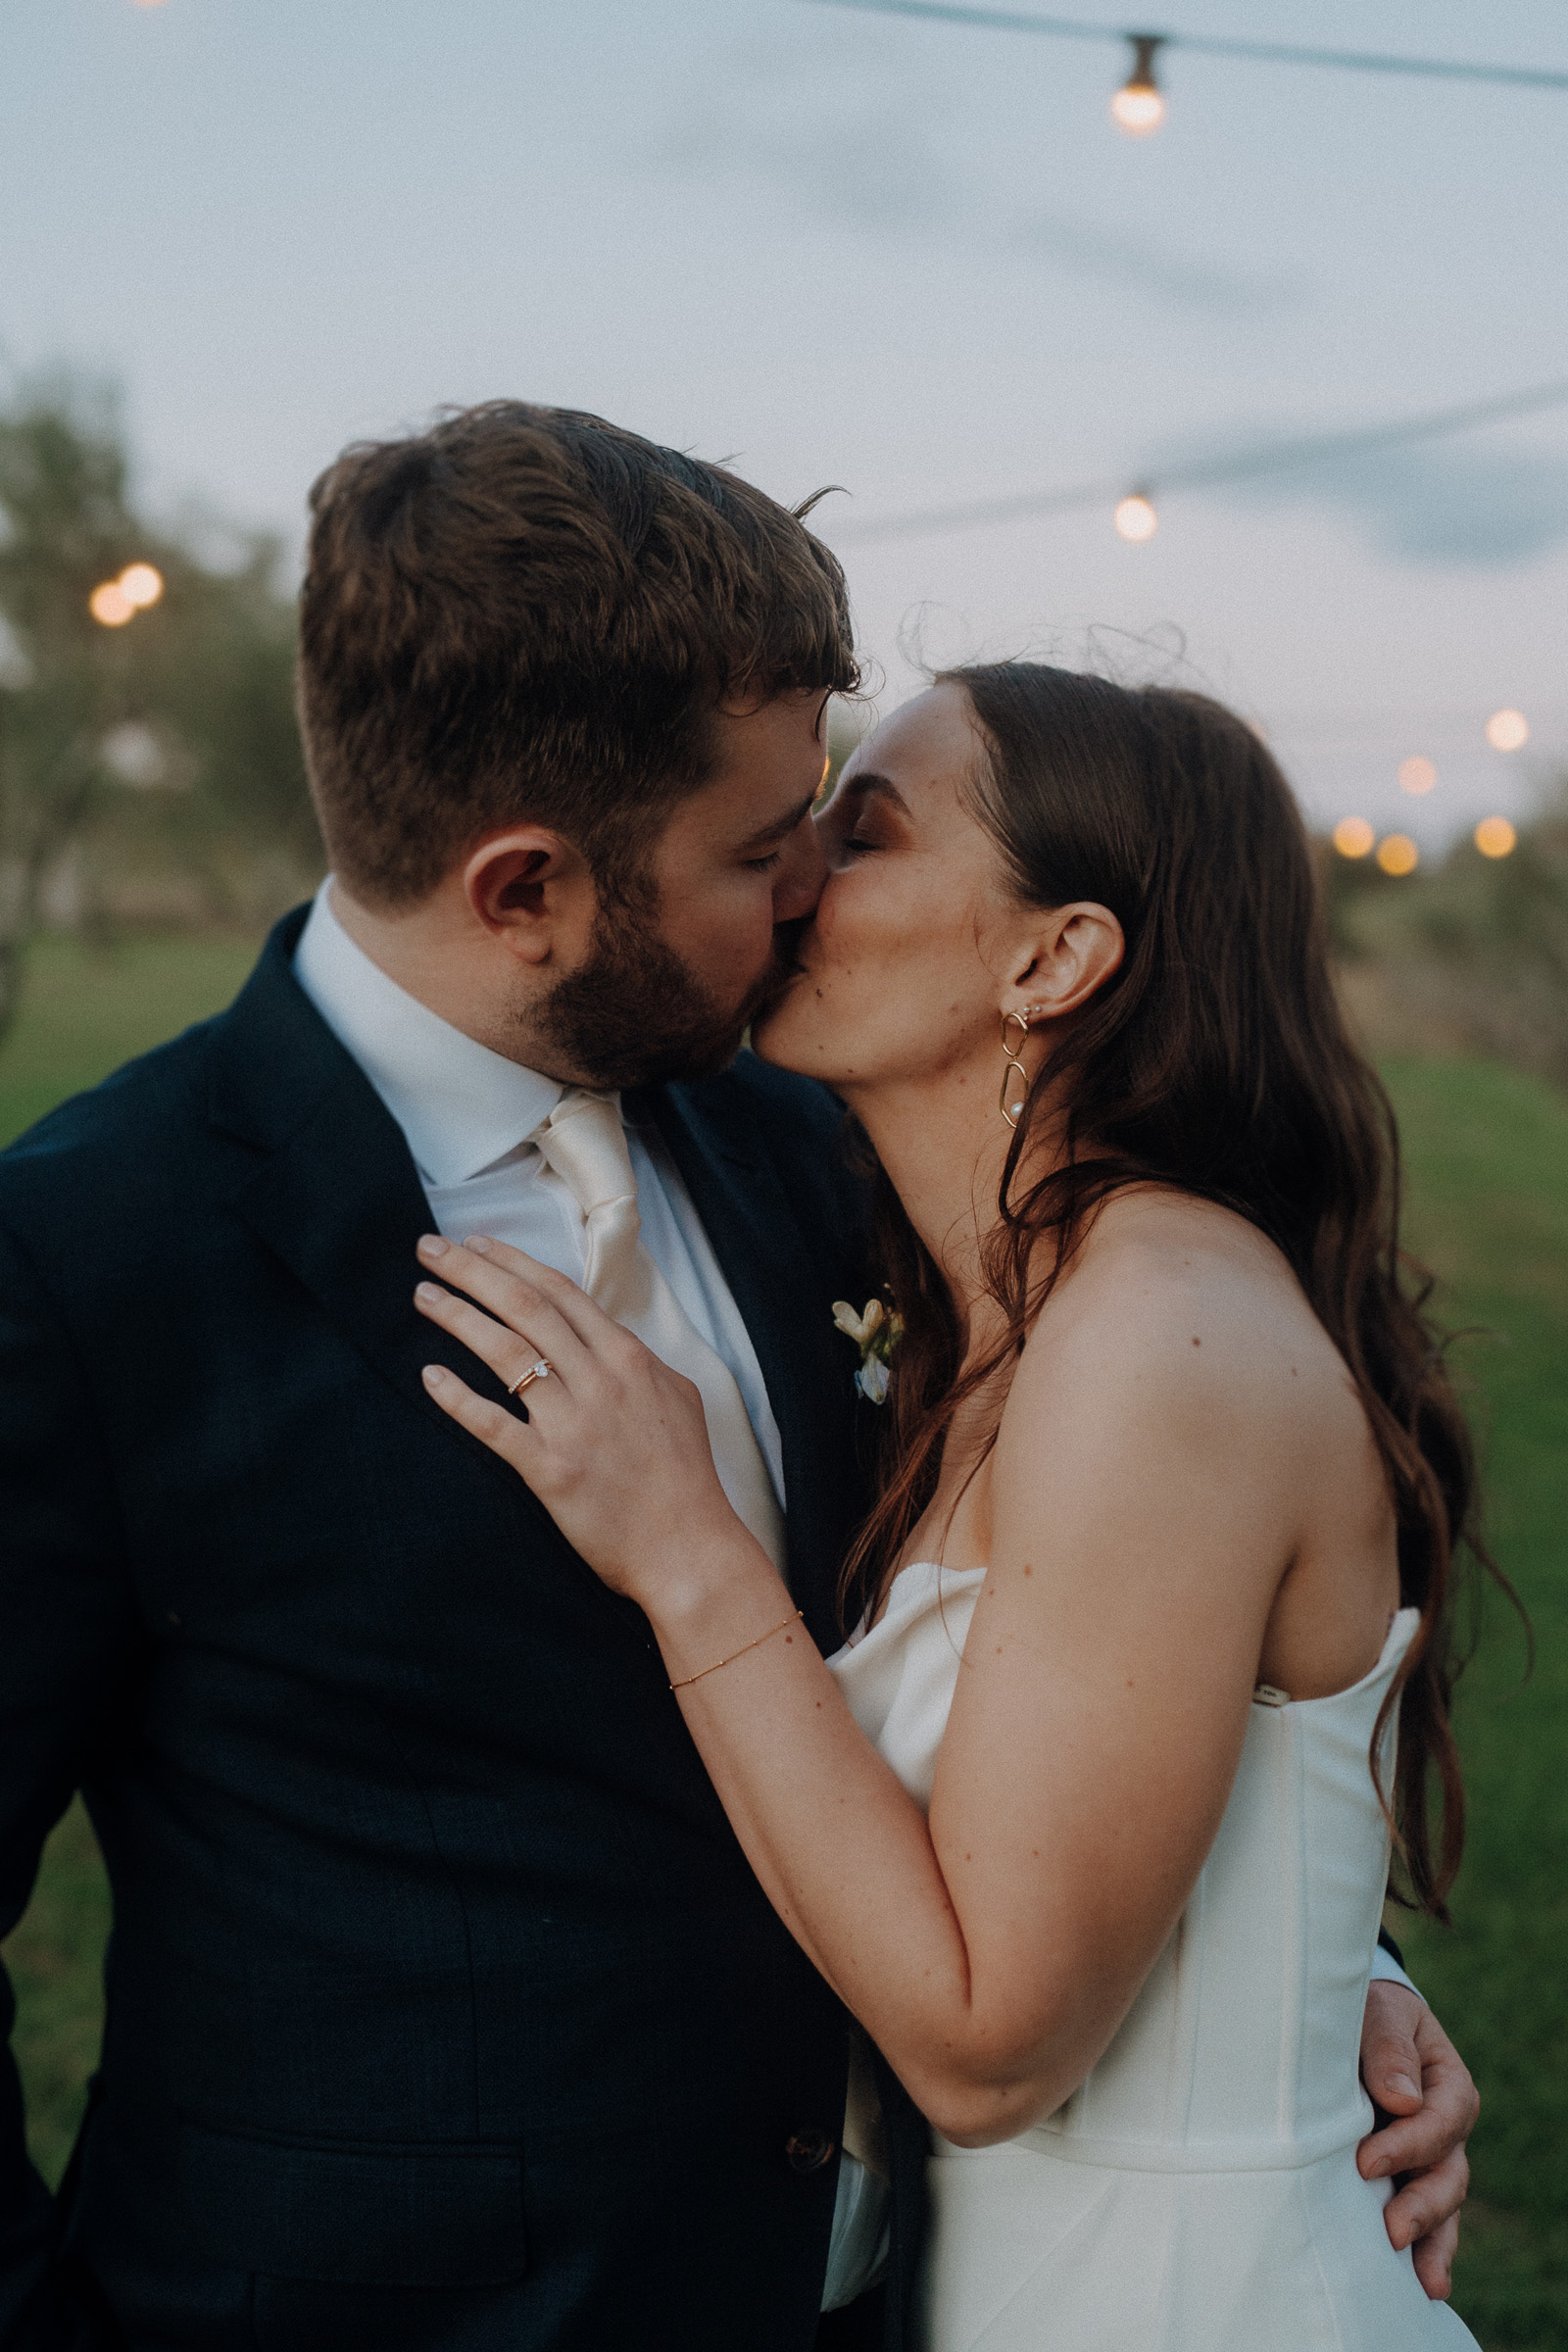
[(66, 1627)]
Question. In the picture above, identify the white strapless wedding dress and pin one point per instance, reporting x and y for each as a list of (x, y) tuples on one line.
[(1199, 2192)]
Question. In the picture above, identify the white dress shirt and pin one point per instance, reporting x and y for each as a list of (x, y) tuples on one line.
[(466, 1113)]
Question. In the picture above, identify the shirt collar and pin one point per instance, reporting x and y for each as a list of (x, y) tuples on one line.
[(460, 1106)]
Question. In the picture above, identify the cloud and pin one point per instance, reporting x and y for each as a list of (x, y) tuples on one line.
[(1449, 504), (1139, 263), (870, 170)]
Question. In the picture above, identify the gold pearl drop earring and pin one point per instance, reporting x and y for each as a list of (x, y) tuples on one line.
[(1011, 1060)]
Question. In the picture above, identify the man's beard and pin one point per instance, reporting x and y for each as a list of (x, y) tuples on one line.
[(634, 1014)]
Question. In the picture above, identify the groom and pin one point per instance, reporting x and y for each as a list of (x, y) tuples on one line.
[(443, 2009)]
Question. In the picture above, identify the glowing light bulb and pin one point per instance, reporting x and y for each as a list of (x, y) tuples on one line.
[(1138, 110), (1508, 731), (109, 606), (1353, 836), (1138, 106), (1494, 837), (1134, 518), (1398, 853), (141, 585), (1417, 775)]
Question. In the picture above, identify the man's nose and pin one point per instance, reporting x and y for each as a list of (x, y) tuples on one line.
[(802, 875)]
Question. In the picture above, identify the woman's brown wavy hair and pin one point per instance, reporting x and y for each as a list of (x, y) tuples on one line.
[(1216, 1060)]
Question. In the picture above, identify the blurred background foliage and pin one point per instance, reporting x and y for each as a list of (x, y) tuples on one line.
[(1470, 957), (149, 772), (153, 819)]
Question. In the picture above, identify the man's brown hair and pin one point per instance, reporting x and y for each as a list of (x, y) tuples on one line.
[(526, 613)]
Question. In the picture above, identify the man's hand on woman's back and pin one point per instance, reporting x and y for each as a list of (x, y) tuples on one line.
[(1422, 2087)]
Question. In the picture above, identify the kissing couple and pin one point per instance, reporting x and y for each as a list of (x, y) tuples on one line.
[(736, 1699)]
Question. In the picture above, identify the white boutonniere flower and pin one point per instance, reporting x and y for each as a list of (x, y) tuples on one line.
[(876, 1334)]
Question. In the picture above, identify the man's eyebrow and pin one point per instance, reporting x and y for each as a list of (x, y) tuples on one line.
[(782, 826)]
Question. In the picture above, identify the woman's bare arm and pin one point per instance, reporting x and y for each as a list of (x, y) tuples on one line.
[(1144, 1506)]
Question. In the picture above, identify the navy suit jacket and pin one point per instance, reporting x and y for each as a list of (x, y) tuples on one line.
[(442, 2006)]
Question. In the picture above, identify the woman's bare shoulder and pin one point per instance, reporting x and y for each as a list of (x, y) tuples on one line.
[(1182, 1299), (1175, 1252)]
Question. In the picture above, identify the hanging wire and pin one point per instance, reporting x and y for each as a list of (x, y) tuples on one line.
[(1205, 44), (1201, 472)]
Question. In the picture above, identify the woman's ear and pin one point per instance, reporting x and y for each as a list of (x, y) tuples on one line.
[(1060, 968)]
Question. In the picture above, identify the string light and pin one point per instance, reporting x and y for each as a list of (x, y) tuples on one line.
[(1135, 517), (109, 606), (1508, 731), (1494, 837), (115, 601), (1138, 106), (141, 585), (1417, 775), (1207, 44), (1353, 836), (1398, 853), (1245, 465)]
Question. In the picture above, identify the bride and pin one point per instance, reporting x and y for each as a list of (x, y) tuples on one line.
[(1090, 1820)]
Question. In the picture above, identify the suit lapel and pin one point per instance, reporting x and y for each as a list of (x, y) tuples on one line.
[(782, 1290), (334, 1192)]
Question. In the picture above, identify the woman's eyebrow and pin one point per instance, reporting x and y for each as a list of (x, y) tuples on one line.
[(865, 782)]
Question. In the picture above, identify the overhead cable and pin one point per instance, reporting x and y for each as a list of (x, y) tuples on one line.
[(1205, 44), (1202, 472)]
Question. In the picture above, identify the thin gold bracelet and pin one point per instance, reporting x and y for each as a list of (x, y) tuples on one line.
[(737, 1654)]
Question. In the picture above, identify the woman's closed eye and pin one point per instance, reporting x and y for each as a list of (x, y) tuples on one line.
[(862, 817)]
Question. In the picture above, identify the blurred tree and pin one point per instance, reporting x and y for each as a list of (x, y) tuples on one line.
[(1469, 957), (165, 745)]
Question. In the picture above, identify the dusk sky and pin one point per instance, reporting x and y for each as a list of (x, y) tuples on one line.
[(914, 258)]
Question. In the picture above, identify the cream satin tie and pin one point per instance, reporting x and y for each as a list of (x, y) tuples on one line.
[(584, 1142)]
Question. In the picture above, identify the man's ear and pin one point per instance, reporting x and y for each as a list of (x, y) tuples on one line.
[(532, 892), (1074, 954)]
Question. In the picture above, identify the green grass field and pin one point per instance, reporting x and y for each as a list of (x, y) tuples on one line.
[(1488, 1161)]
